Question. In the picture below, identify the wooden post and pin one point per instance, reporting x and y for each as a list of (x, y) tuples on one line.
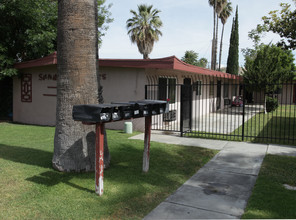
[(99, 158), (147, 144)]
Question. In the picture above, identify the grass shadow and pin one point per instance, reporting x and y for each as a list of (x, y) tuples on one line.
[(126, 187), (279, 130), (30, 156), (52, 178)]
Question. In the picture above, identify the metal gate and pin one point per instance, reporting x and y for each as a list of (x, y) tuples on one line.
[(186, 109), (228, 110)]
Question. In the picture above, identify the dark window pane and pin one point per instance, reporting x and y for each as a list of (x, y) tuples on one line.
[(162, 88), (172, 90)]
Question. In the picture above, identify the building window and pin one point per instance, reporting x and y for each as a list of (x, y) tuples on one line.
[(197, 87), (212, 88), (226, 90), (167, 89), (26, 88)]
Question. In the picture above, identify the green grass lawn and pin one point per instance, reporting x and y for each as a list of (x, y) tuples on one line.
[(31, 189), (270, 200), (278, 127)]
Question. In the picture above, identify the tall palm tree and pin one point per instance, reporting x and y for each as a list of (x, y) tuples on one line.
[(74, 143), (143, 28), (224, 15), (219, 8), (217, 5), (213, 3)]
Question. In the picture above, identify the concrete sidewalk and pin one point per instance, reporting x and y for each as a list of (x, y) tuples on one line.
[(223, 186)]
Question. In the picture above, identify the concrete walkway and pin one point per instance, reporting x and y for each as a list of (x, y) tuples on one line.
[(223, 186)]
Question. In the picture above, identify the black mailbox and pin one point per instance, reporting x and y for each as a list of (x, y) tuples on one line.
[(140, 109), (96, 113), (126, 109), (156, 106), (116, 113), (93, 113)]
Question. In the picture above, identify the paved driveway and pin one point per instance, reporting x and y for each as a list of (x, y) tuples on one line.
[(225, 121)]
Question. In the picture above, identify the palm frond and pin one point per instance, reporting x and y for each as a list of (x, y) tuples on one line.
[(143, 28)]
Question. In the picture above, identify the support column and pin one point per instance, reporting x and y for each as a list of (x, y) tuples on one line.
[(147, 144), (99, 158)]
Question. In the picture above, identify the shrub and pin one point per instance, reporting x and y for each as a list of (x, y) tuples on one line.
[(271, 104)]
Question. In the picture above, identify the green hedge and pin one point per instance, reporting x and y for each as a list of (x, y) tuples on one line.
[(271, 104)]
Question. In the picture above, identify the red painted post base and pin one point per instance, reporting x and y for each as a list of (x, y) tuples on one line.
[(99, 158), (99, 173), (146, 154)]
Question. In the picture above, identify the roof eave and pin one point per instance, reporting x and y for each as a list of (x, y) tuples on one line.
[(44, 61)]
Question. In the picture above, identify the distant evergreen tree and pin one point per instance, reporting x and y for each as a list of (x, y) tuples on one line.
[(191, 57), (232, 60)]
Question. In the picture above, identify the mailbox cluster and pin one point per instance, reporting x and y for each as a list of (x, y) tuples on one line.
[(102, 113)]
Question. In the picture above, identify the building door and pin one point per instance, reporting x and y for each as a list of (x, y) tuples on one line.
[(218, 94), (186, 105)]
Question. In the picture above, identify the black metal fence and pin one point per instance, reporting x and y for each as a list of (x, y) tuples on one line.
[(169, 121), (228, 110)]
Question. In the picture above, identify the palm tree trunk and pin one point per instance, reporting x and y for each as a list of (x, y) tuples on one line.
[(214, 35), (216, 42), (220, 54), (74, 143)]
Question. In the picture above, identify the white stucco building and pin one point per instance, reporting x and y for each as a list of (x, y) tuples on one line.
[(34, 93)]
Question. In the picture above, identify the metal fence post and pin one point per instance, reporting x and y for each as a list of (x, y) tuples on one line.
[(244, 103), (146, 92)]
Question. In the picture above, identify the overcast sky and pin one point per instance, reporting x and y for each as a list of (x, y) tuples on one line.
[(187, 25)]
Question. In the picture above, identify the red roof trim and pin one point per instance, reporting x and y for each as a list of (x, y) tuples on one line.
[(163, 63), (180, 65), (44, 61), (171, 62)]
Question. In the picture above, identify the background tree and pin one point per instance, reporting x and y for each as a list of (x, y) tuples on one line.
[(224, 15), (203, 62), (267, 68), (233, 53), (29, 30), (104, 19), (281, 22), (191, 57), (143, 28)]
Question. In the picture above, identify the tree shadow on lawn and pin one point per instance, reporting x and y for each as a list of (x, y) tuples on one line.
[(30, 156), (278, 130), (52, 178), (125, 170)]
